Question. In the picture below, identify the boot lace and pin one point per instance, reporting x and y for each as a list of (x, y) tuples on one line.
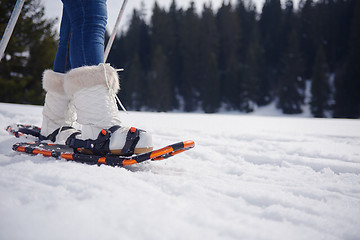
[(111, 91)]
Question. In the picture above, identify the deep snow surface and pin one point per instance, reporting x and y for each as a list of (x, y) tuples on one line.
[(249, 177)]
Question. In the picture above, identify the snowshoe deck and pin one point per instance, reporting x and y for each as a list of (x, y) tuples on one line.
[(64, 152)]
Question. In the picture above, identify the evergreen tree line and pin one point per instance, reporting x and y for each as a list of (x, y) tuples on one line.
[(233, 58), (237, 59)]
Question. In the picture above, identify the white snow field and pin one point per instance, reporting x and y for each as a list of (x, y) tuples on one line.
[(249, 177)]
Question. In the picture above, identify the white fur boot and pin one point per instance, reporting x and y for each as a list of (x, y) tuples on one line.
[(57, 117), (93, 90)]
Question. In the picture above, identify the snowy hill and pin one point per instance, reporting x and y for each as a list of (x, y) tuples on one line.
[(249, 177)]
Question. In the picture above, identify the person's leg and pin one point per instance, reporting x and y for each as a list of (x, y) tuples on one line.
[(88, 20), (93, 85), (62, 61)]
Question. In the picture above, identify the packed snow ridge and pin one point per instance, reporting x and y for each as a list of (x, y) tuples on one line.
[(249, 177)]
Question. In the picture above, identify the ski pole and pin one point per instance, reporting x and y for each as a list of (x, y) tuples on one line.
[(112, 37), (10, 26)]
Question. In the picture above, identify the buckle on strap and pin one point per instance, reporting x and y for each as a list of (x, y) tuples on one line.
[(99, 146), (132, 138)]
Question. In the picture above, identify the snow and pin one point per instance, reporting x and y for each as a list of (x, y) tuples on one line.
[(249, 177)]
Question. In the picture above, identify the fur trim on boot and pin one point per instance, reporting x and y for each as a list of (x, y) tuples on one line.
[(53, 82), (89, 76)]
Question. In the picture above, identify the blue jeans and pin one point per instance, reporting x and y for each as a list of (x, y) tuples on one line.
[(82, 34)]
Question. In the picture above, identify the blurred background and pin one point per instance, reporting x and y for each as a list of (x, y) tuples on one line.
[(207, 57)]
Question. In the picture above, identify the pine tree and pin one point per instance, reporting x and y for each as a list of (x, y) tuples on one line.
[(159, 87), (136, 49), (163, 35), (174, 51), (135, 85), (348, 85), (160, 28), (291, 83), (306, 34), (320, 88), (31, 50), (252, 73), (190, 83), (250, 55), (208, 67), (270, 34), (247, 17), (288, 24), (229, 47)]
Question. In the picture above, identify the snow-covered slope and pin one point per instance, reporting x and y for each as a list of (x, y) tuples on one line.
[(249, 177)]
